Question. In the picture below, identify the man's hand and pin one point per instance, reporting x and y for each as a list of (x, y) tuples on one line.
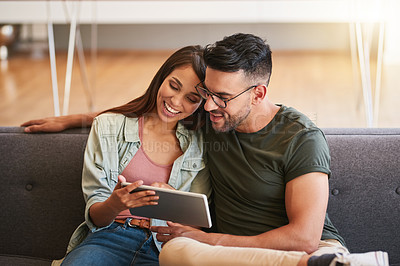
[(49, 124), (59, 123), (166, 233)]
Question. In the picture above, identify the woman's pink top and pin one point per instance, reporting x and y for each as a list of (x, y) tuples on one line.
[(141, 167)]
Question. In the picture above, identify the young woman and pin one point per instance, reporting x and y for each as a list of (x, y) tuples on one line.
[(151, 140)]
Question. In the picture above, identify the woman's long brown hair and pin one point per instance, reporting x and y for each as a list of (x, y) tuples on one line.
[(186, 56)]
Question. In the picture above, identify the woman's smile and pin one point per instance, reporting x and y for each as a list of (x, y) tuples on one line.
[(170, 110)]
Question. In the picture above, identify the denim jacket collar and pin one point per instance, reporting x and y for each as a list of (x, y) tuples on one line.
[(131, 130), (183, 134)]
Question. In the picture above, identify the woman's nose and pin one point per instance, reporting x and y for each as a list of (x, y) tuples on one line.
[(177, 100)]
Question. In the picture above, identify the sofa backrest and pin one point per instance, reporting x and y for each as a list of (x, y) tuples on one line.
[(364, 203), (41, 195), (42, 200)]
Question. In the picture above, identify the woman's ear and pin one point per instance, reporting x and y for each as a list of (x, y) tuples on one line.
[(260, 93)]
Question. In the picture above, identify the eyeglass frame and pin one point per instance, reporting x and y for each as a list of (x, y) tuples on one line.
[(209, 93)]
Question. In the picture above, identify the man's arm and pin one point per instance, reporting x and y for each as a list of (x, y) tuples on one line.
[(59, 123), (306, 202)]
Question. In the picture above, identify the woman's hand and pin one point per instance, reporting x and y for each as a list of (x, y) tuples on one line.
[(122, 198), (161, 185), (103, 213)]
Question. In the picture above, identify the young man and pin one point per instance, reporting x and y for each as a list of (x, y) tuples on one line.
[(269, 170), (270, 183)]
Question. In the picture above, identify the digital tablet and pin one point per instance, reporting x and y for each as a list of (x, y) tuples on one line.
[(176, 206)]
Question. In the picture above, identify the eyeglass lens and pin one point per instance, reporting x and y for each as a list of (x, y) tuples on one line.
[(204, 93)]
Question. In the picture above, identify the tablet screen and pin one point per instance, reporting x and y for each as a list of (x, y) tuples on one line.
[(177, 206)]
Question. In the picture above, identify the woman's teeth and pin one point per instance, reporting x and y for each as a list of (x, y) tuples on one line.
[(170, 109)]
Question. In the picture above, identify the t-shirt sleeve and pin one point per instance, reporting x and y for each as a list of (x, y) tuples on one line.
[(308, 152)]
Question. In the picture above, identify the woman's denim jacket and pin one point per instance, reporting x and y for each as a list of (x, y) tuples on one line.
[(112, 142)]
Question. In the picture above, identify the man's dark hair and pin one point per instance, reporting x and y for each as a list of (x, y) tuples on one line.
[(241, 51)]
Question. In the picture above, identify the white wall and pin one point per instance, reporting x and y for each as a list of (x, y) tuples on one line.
[(281, 36), (288, 25), (392, 50)]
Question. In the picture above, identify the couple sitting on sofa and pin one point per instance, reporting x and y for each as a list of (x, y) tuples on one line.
[(264, 166)]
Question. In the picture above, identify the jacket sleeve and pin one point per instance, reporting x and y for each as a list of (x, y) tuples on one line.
[(97, 182)]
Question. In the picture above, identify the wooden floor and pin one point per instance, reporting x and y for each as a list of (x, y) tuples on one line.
[(320, 84)]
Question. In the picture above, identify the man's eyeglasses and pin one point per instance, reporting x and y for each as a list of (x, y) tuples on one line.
[(218, 100)]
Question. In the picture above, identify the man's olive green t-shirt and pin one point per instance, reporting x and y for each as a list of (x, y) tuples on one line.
[(249, 172)]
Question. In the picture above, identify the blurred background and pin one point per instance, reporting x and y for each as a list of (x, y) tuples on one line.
[(337, 61)]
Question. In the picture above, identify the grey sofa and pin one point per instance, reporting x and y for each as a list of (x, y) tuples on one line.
[(42, 203)]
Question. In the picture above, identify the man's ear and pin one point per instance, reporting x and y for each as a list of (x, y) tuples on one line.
[(259, 94)]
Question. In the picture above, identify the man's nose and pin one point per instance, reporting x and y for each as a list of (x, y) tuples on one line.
[(210, 104)]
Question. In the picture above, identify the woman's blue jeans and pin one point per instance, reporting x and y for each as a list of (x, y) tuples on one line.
[(119, 244)]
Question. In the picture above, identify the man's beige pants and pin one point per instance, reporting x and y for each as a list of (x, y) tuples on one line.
[(186, 251)]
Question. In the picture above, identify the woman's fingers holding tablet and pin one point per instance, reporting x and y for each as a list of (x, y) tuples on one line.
[(138, 197), (162, 185), (131, 197)]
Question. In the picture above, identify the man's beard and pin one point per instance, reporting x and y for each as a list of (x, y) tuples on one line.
[(232, 122)]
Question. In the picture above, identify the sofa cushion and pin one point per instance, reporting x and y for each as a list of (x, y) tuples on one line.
[(41, 196), (10, 260), (41, 176), (364, 203)]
